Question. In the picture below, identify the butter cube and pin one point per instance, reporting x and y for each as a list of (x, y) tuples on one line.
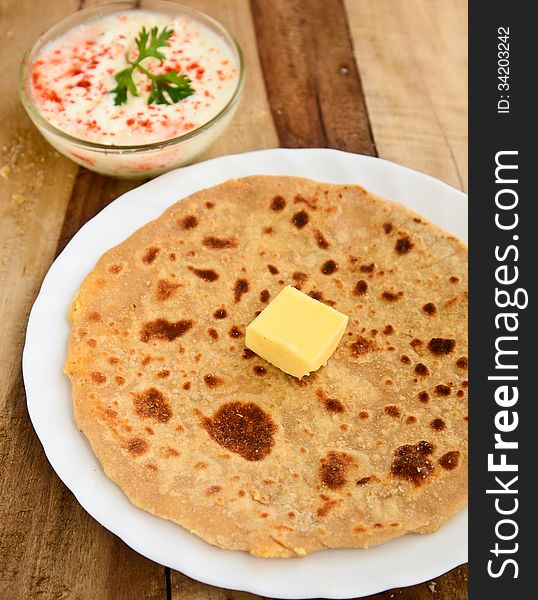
[(296, 333)]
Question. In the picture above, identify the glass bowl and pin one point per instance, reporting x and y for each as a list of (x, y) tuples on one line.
[(132, 161)]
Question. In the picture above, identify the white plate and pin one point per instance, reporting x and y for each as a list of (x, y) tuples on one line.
[(330, 573)]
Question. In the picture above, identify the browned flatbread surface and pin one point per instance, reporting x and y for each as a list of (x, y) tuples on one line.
[(197, 429)]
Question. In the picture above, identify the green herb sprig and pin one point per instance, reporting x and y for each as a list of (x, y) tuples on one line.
[(168, 86)]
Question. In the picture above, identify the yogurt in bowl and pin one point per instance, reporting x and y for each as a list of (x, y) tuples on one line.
[(133, 92)]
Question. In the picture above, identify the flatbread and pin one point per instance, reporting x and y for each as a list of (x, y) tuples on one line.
[(196, 428)]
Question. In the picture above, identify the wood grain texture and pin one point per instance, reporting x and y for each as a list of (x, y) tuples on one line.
[(310, 74), (35, 188), (252, 127), (49, 546), (413, 62), (184, 588), (91, 193), (451, 586)]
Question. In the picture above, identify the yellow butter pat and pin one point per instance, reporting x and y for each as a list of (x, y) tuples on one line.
[(296, 333)]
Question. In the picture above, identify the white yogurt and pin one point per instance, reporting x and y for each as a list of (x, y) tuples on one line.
[(73, 74)]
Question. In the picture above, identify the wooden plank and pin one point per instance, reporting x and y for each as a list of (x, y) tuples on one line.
[(252, 127), (49, 546), (35, 186), (310, 74), (184, 588), (91, 193), (451, 586), (412, 56)]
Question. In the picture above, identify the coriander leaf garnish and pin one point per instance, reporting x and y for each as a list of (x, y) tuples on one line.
[(125, 82), (157, 40), (168, 86), (176, 87)]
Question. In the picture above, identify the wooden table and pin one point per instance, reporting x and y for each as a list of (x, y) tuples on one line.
[(379, 77)]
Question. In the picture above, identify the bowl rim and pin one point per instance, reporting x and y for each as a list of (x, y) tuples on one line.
[(35, 47)]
